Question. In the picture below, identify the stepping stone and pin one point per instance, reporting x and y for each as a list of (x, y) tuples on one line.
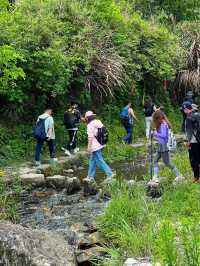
[(89, 187), (32, 179)]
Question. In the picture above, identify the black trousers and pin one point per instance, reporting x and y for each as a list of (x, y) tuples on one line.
[(51, 145), (72, 139), (194, 155)]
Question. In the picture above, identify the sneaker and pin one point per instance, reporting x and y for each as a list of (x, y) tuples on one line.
[(155, 179), (179, 179), (37, 163), (88, 179), (113, 175), (67, 153), (63, 149), (76, 150)]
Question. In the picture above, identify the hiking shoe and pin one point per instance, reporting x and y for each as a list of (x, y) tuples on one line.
[(37, 163), (155, 179), (88, 179), (76, 150), (63, 148), (67, 153), (179, 179)]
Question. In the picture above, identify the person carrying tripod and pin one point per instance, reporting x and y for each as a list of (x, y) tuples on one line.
[(72, 119)]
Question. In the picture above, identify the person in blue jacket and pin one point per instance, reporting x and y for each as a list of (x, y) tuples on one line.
[(128, 118)]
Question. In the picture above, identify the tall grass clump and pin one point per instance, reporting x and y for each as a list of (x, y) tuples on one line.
[(167, 230)]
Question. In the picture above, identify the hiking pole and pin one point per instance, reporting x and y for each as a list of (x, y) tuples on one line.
[(151, 154)]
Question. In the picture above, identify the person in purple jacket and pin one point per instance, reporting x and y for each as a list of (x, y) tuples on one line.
[(161, 133)]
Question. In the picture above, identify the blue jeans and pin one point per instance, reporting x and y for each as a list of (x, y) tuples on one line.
[(38, 148), (96, 159), (129, 130)]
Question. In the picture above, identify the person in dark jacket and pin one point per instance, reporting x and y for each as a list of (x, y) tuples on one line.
[(192, 130), (188, 98), (72, 119)]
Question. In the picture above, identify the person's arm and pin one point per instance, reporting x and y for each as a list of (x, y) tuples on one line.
[(131, 113), (162, 133), (90, 144), (90, 133), (50, 128)]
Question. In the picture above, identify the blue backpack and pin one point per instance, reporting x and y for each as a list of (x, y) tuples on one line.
[(39, 130), (124, 113)]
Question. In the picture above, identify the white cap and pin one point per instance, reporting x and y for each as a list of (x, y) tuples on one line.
[(89, 113)]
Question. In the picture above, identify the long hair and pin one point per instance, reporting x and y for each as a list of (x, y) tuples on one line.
[(158, 118), (90, 118)]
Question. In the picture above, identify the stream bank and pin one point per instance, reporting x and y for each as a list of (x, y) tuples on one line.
[(55, 203)]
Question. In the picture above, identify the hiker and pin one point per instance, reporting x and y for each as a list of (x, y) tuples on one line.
[(95, 147), (44, 132), (188, 98), (149, 109), (161, 133), (127, 117), (192, 130), (72, 119)]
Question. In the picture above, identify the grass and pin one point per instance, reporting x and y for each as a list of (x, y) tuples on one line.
[(9, 199), (167, 230)]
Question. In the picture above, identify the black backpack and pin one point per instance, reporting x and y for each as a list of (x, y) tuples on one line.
[(195, 119), (39, 130), (70, 120), (102, 135), (148, 110)]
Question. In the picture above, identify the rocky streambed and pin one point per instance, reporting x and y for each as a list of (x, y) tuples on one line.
[(56, 224)]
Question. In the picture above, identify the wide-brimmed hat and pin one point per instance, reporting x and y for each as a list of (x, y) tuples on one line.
[(89, 113), (187, 105)]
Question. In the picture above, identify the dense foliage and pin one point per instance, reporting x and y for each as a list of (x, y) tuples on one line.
[(54, 50)]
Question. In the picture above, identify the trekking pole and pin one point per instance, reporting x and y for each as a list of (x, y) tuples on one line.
[(151, 154)]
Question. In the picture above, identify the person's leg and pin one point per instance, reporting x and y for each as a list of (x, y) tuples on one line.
[(125, 138), (130, 134), (52, 148), (102, 164), (38, 150), (70, 142), (194, 154), (148, 126), (167, 162), (128, 138), (73, 142), (156, 169), (92, 166)]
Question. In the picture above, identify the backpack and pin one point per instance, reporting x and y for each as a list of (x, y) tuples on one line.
[(148, 110), (124, 116), (70, 120), (39, 130), (196, 126), (102, 135), (171, 144), (124, 113)]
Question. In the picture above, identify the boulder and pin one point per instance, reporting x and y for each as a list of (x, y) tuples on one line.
[(88, 255), (26, 170), (72, 185), (32, 179), (68, 171), (56, 181), (27, 247), (90, 240), (89, 187)]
